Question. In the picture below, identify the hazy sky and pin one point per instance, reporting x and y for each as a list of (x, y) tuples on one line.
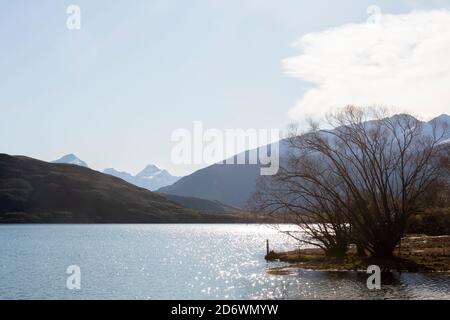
[(114, 91)]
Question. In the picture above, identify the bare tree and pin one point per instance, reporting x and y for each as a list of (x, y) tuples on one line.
[(295, 191), (359, 181)]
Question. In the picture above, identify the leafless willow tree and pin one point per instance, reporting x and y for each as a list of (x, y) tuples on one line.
[(300, 190), (359, 181)]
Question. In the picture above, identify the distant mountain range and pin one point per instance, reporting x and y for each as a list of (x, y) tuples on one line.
[(27, 185), (34, 191), (234, 183), (151, 177)]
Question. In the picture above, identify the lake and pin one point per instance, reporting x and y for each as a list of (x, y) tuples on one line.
[(178, 261)]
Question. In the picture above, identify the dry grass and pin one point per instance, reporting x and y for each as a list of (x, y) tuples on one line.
[(417, 253)]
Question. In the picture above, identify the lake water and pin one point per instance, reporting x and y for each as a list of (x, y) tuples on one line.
[(187, 261)]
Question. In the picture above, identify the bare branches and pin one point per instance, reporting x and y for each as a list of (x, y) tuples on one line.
[(359, 181)]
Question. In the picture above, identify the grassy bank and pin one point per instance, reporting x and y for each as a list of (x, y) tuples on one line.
[(417, 254)]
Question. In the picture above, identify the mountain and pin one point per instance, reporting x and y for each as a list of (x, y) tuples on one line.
[(149, 171), (151, 177), (231, 184), (234, 184), (443, 117), (120, 174), (71, 159), (34, 191), (144, 178)]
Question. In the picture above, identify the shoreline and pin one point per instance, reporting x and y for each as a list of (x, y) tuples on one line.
[(143, 223), (418, 253)]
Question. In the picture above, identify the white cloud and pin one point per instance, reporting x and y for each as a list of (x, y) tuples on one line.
[(402, 61)]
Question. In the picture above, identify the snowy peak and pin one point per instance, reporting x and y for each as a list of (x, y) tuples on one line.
[(151, 177), (148, 171), (71, 159)]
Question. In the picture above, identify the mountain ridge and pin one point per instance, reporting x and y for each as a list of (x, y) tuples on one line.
[(234, 184), (151, 177), (35, 191)]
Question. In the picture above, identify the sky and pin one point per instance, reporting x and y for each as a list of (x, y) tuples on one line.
[(114, 91)]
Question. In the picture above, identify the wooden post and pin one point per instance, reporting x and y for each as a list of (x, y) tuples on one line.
[(443, 247), (267, 246)]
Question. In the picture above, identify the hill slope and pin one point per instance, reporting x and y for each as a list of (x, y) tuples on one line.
[(38, 191), (200, 204), (230, 184)]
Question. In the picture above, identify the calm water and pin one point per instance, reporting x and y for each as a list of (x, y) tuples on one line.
[(196, 261)]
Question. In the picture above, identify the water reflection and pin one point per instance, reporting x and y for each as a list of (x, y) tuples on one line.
[(306, 284), (178, 262)]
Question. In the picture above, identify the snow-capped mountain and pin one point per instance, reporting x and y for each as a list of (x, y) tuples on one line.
[(149, 171), (71, 159), (151, 177)]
